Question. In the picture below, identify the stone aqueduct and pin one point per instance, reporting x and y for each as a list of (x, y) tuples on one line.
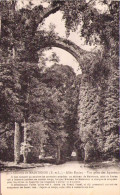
[(82, 56)]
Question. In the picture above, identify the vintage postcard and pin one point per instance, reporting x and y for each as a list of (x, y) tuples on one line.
[(59, 97)]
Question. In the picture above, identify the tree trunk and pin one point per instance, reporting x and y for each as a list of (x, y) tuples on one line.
[(58, 155), (17, 143), (0, 23), (25, 157), (25, 142), (42, 152)]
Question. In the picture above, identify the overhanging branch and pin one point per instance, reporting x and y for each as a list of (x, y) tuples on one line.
[(46, 12)]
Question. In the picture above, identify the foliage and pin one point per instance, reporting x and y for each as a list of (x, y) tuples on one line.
[(111, 111), (89, 119), (10, 88), (7, 143), (50, 106), (97, 25)]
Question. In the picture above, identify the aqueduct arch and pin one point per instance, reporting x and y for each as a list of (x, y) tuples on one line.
[(83, 57)]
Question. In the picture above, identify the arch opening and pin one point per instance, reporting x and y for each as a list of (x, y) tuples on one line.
[(82, 56), (64, 58)]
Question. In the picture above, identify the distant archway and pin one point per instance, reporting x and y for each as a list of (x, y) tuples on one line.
[(62, 57), (82, 56)]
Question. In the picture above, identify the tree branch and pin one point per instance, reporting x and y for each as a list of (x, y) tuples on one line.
[(46, 12), (50, 10)]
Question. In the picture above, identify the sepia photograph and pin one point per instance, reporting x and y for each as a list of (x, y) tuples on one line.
[(59, 97)]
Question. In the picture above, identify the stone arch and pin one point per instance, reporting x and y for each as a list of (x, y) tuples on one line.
[(82, 56), (64, 58)]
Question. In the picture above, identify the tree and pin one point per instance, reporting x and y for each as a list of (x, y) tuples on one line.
[(99, 28), (111, 110), (10, 104), (50, 115), (62, 81), (86, 14)]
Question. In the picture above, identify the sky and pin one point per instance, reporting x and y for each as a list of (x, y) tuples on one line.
[(65, 57), (59, 23)]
